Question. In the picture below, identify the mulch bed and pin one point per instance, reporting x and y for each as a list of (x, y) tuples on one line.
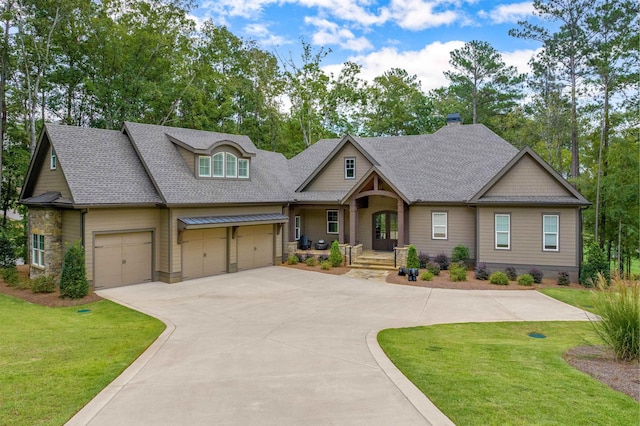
[(44, 299)]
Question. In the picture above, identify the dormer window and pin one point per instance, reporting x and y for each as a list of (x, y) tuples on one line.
[(218, 165), (350, 168), (232, 164), (54, 159), (223, 164), (204, 166)]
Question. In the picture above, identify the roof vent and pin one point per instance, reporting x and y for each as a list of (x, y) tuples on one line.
[(453, 119)]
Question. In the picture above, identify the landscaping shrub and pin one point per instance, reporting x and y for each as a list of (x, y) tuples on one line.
[(595, 262), (10, 275), (412, 258), (482, 272), (311, 261), (442, 260), (619, 310), (325, 265), (293, 259), (460, 253), (335, 257), (434, 268), (43, 284), (525, 279), (426, 276), (511, 273), (499, 278), (457, 272), (7, 252), (536, 274), (73, 281), (424, 259), (563, 278)]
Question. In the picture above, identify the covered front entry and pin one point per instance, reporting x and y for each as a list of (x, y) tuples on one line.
[(385, 230), (122, 259)]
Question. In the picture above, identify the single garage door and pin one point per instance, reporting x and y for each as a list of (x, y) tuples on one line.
[(121, 259), (204, 252), (255, 246)]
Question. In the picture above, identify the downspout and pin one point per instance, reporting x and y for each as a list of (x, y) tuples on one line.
[(477, 237), (287, 208), (580, 245), (83, 212)]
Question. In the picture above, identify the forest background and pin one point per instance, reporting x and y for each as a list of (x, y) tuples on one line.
[(98, 63)]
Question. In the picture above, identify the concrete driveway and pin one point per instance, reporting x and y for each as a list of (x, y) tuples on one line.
[(279, 346)]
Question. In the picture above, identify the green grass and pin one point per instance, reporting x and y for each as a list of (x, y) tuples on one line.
[(635, 266), (55, 360), (495, 374), (582, 299)]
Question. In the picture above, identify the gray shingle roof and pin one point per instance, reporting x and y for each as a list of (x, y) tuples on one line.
[(101, 166), (452, 164), (178, 185), (201, 140)]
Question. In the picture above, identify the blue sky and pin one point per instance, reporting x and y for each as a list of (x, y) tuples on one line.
[(416, 35)]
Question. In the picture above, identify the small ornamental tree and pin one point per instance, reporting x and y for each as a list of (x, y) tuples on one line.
[(7, 252), (335, 257), (595, 262), (460, 253), (412, 258), (73, 280)]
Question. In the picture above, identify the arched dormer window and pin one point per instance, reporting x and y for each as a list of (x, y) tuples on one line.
[(218, 165), (232, 166)]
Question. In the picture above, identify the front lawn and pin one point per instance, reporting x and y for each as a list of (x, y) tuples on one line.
[(582, 299), (494, 373), (55, 360)]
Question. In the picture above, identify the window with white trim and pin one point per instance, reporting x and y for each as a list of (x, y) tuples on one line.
[(503, 231), (243, 168), (218, 165), (550, 232), (297, 227), (204, 166), (332, 221), (54, 159), (232, 164), (37, 250), (350, 168), (439, 225)]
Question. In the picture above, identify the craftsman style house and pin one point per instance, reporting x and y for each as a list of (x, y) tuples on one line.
[(160, 203)]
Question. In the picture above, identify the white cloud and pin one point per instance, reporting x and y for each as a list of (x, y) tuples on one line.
[(329, 33), (418, 14), (428, 63), (261, 33), (508, 13)]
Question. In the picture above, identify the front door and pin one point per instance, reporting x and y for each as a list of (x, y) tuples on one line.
[(385, 230)]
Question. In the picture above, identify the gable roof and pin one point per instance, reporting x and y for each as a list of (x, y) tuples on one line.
[(178, 185), (100, 166), (573, 196)]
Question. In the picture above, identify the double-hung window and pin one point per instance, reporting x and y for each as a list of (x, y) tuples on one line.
[(503, 231), (332, 221), (438, 225), (37, 249), (350, 168), (218, 165), (550, 232), (297, 227), (243, 168), (54, 159), (204, 166)]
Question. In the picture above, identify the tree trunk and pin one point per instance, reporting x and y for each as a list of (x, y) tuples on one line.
[(575, 160)]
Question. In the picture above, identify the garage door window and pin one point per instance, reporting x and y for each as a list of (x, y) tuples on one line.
[(37, 254)]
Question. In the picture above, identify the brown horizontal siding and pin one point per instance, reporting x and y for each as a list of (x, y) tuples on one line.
[(460, 229), (189, 158), (331, 178), (527, 178), (115, 221), (163, 241), (71, 227), (526, 236), (51, 180)]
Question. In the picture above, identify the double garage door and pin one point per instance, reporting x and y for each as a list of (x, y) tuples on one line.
[(205, 252), (122, 259)]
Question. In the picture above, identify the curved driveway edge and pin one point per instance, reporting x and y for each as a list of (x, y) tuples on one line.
[(281, 346)]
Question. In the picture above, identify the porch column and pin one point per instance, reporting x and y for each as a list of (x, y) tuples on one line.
[(400, 223), (292, 225), (341, 225), (353, 222)]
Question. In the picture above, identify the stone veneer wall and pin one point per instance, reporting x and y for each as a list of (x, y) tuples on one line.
[(47, 222), (401, 256)]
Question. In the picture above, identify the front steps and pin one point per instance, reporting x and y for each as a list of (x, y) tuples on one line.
[(374, 260)]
